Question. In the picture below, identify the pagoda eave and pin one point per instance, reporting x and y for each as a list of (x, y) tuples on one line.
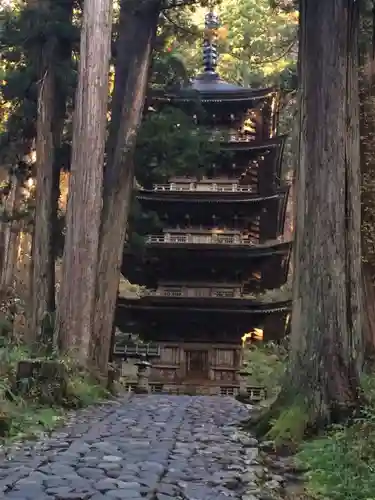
[(167, 263), (226, 251), (238, 95), (258, 146), (219, 305), (194, 321)]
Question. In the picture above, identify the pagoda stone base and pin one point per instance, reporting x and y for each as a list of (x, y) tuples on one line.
[(194, 368)]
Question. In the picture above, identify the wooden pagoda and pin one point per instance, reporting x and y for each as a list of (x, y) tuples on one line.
[(221, 244)]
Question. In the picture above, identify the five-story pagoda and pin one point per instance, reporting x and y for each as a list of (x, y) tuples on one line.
[(221, 243)]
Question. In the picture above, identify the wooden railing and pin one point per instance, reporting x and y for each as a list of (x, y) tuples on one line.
[(216, 239), (205, 187), (132, 351), (218, 135), (197, 292)]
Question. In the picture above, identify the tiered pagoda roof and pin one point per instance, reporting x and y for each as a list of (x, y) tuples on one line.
[(222, 236), (208, 87)]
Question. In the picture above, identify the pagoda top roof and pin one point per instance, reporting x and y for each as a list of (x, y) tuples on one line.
[(210, 87)]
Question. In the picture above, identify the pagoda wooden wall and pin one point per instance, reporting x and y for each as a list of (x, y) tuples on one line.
[(221, 364), (171, 370)]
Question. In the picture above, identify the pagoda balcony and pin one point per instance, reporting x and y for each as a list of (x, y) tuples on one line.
[(183, 291), (208, 239), (233, 187), (233, 137)]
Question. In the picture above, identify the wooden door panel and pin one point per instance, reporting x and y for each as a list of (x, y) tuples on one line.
[(197, 364)]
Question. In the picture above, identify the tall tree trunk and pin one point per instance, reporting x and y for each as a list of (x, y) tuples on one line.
[(326, 344), (42, 284), (138, 23), (50, 122), (76, 300)]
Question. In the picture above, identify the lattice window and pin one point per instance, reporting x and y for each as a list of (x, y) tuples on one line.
[(130, 387), (256, 393), (229, 391), (223, 293), (179, 238), (226, 240), (156, 388)]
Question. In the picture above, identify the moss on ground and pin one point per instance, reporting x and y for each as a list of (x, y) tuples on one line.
[(290, 426), (340, 460)]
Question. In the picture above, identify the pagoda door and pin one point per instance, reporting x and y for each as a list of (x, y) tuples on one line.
[(197, 364)]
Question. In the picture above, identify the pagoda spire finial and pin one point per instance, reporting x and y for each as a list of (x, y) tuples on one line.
[(211, 25)]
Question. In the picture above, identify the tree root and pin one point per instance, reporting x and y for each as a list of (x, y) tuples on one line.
[(290, 419)]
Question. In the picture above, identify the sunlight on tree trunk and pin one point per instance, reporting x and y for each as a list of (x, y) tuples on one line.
[(137, 31), (326, 343), (76, 299), (9, 236)]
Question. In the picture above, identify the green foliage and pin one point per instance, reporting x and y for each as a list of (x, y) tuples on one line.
[(25, 33), (5, 327), (170, 144), (83, 389), (342, 462), (265, 365), (260, 47), (290, 426), (28, 421), (24, 416), (140, 224)]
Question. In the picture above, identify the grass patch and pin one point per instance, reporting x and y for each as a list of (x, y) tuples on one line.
[(28, 421), (26, 416), (342, 462), (82, 391)]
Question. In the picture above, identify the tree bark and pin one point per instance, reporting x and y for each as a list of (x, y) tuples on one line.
[(136, 35), (76, 301), (43, 283), (367, 128), (326, 339), (369, 316), (9, 236)]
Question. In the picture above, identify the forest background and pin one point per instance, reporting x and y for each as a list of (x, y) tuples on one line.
[(40, 88), (39, 42)]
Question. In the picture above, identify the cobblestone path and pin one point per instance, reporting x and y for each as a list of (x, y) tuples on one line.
[(155, 447)]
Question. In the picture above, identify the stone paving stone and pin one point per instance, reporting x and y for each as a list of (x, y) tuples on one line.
[(154, 447)]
